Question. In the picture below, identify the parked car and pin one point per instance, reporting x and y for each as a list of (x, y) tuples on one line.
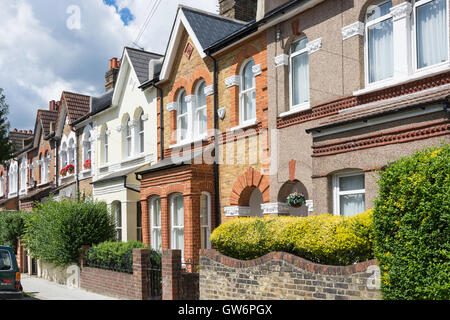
[(10, 286)]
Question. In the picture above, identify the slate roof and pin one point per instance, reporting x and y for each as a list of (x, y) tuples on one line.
[(46, 117), (210, 28), (140, 60), (78, 105), (102, 102), (384, 107)]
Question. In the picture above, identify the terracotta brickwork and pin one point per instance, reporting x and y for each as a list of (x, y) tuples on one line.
[(282, 276)]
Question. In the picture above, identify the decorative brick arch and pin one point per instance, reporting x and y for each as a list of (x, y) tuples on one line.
[(246, 183), (147, 193), (198, 75), (247, 52), (181, 83)]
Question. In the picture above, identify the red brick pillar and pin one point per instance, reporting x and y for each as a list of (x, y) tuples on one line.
[(19, 256), (82, 258), (165, 223), (141, 267), (145, 222), (171, 274), (192, 228)]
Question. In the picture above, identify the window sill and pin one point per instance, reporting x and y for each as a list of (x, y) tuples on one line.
[(245, 125), (134, 159), (189, 142), (296, 109), (417, 75)]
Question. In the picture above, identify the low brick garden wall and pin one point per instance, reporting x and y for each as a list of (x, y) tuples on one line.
[(282, 276)]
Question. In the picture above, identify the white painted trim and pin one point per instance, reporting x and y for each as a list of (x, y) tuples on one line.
[(232, 81), (244, 125), (257, 70), (209, 90), (354, 29), (282, 60), (296, 109), (314, 45), (337, 193), (237, 211)]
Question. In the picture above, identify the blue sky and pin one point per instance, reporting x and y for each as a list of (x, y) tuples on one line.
[(50, 46)]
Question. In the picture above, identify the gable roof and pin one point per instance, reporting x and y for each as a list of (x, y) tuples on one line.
[(20, 140), (139, 60), (204, 29), (46, 117), (77, 104)]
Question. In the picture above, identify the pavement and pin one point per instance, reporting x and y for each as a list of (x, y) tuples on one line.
[(40, 289)]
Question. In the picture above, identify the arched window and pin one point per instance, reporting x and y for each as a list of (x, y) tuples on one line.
[(299, 73), (47, 167), (63, 154), (41, 169), (155, 223), (71, 152), (23, 174), (177, 222), (87, 148), (1, 185), (200, 110), (140, 133), (116, 208), (205, 220), (379, 42), (105, 145), (431, 17), (182, 117), (13, 172), (247, 93), (127, 138)]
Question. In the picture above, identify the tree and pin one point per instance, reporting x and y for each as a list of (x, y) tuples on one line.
[(6, 147)]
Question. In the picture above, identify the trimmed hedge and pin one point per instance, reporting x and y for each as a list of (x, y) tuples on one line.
[(411, 218), (12, 228), (118, 256), (325, 239), (55, 231)]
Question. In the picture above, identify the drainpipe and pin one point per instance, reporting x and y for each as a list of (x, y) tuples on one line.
[(161, 116), (216, 145)]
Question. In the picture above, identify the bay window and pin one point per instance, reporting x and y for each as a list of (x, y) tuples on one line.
[(117, 214), (177, 223), (205, 220), (139, 222), (247, 110), (299, 73), (431, 21), (349, 194), (379, 42)]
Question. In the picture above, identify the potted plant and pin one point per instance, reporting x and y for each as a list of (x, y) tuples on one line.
[(87, 164), (70, 168), (63, 172), (296, 200)]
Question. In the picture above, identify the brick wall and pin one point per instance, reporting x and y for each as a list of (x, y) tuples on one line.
[(134, 286), (282, 276)]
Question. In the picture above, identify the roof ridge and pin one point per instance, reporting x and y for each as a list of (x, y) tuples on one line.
[(144, 51), (213, 15), (75, 93)]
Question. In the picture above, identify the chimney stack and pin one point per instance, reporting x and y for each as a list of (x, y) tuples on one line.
[(244, 10), (52, 105), (111, 75)]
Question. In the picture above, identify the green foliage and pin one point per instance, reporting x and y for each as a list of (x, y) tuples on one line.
[(325, 239), (411, 219), (118, 256), (6, 147), (12, 228), (55, 231)]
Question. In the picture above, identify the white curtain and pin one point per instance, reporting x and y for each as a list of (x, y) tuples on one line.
[(156, 224), (204, 221), (249, 93), (178, 223), (381, 52), (352, 201), (432, 39), (300, 78)]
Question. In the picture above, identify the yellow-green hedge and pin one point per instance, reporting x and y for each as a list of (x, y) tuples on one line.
[(325, 239)]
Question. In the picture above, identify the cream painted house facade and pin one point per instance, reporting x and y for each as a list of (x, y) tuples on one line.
[(125, 126)]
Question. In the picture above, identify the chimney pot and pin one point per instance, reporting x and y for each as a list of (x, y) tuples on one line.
[(15, 129)]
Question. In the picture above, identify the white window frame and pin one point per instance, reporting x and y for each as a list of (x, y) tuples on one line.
[(415, 67), (127, 139), (242, 94), (337, 193), (23, 173), (117, 207), (140, 134), (153, 226), (179, 227), (183, 115), (367, 25), (207, 226), (304, 105), (87, 146), (105, 146), (64, 156), (199, 109), (2, 179)]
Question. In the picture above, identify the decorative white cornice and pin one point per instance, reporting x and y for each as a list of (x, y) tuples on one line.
[(281, 60), (221, 113), (401, 11), (190, 99), (173, 106), (233, 81), (209, 90), (237, 211), (144, 117), (354, 29), (310, 205), (277, 208), (257, 70), (314, 45)]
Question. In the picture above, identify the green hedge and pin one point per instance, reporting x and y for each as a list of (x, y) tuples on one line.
[(56, 231), (411, 218), (118, 256), (325, 239), (12, 228)]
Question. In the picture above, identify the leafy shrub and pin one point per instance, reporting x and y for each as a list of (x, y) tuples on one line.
[(325, 239), (55, 231), (411, 220), (118, 256), (12, 228)]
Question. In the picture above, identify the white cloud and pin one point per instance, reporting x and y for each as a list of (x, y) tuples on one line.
[(40, 56)]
